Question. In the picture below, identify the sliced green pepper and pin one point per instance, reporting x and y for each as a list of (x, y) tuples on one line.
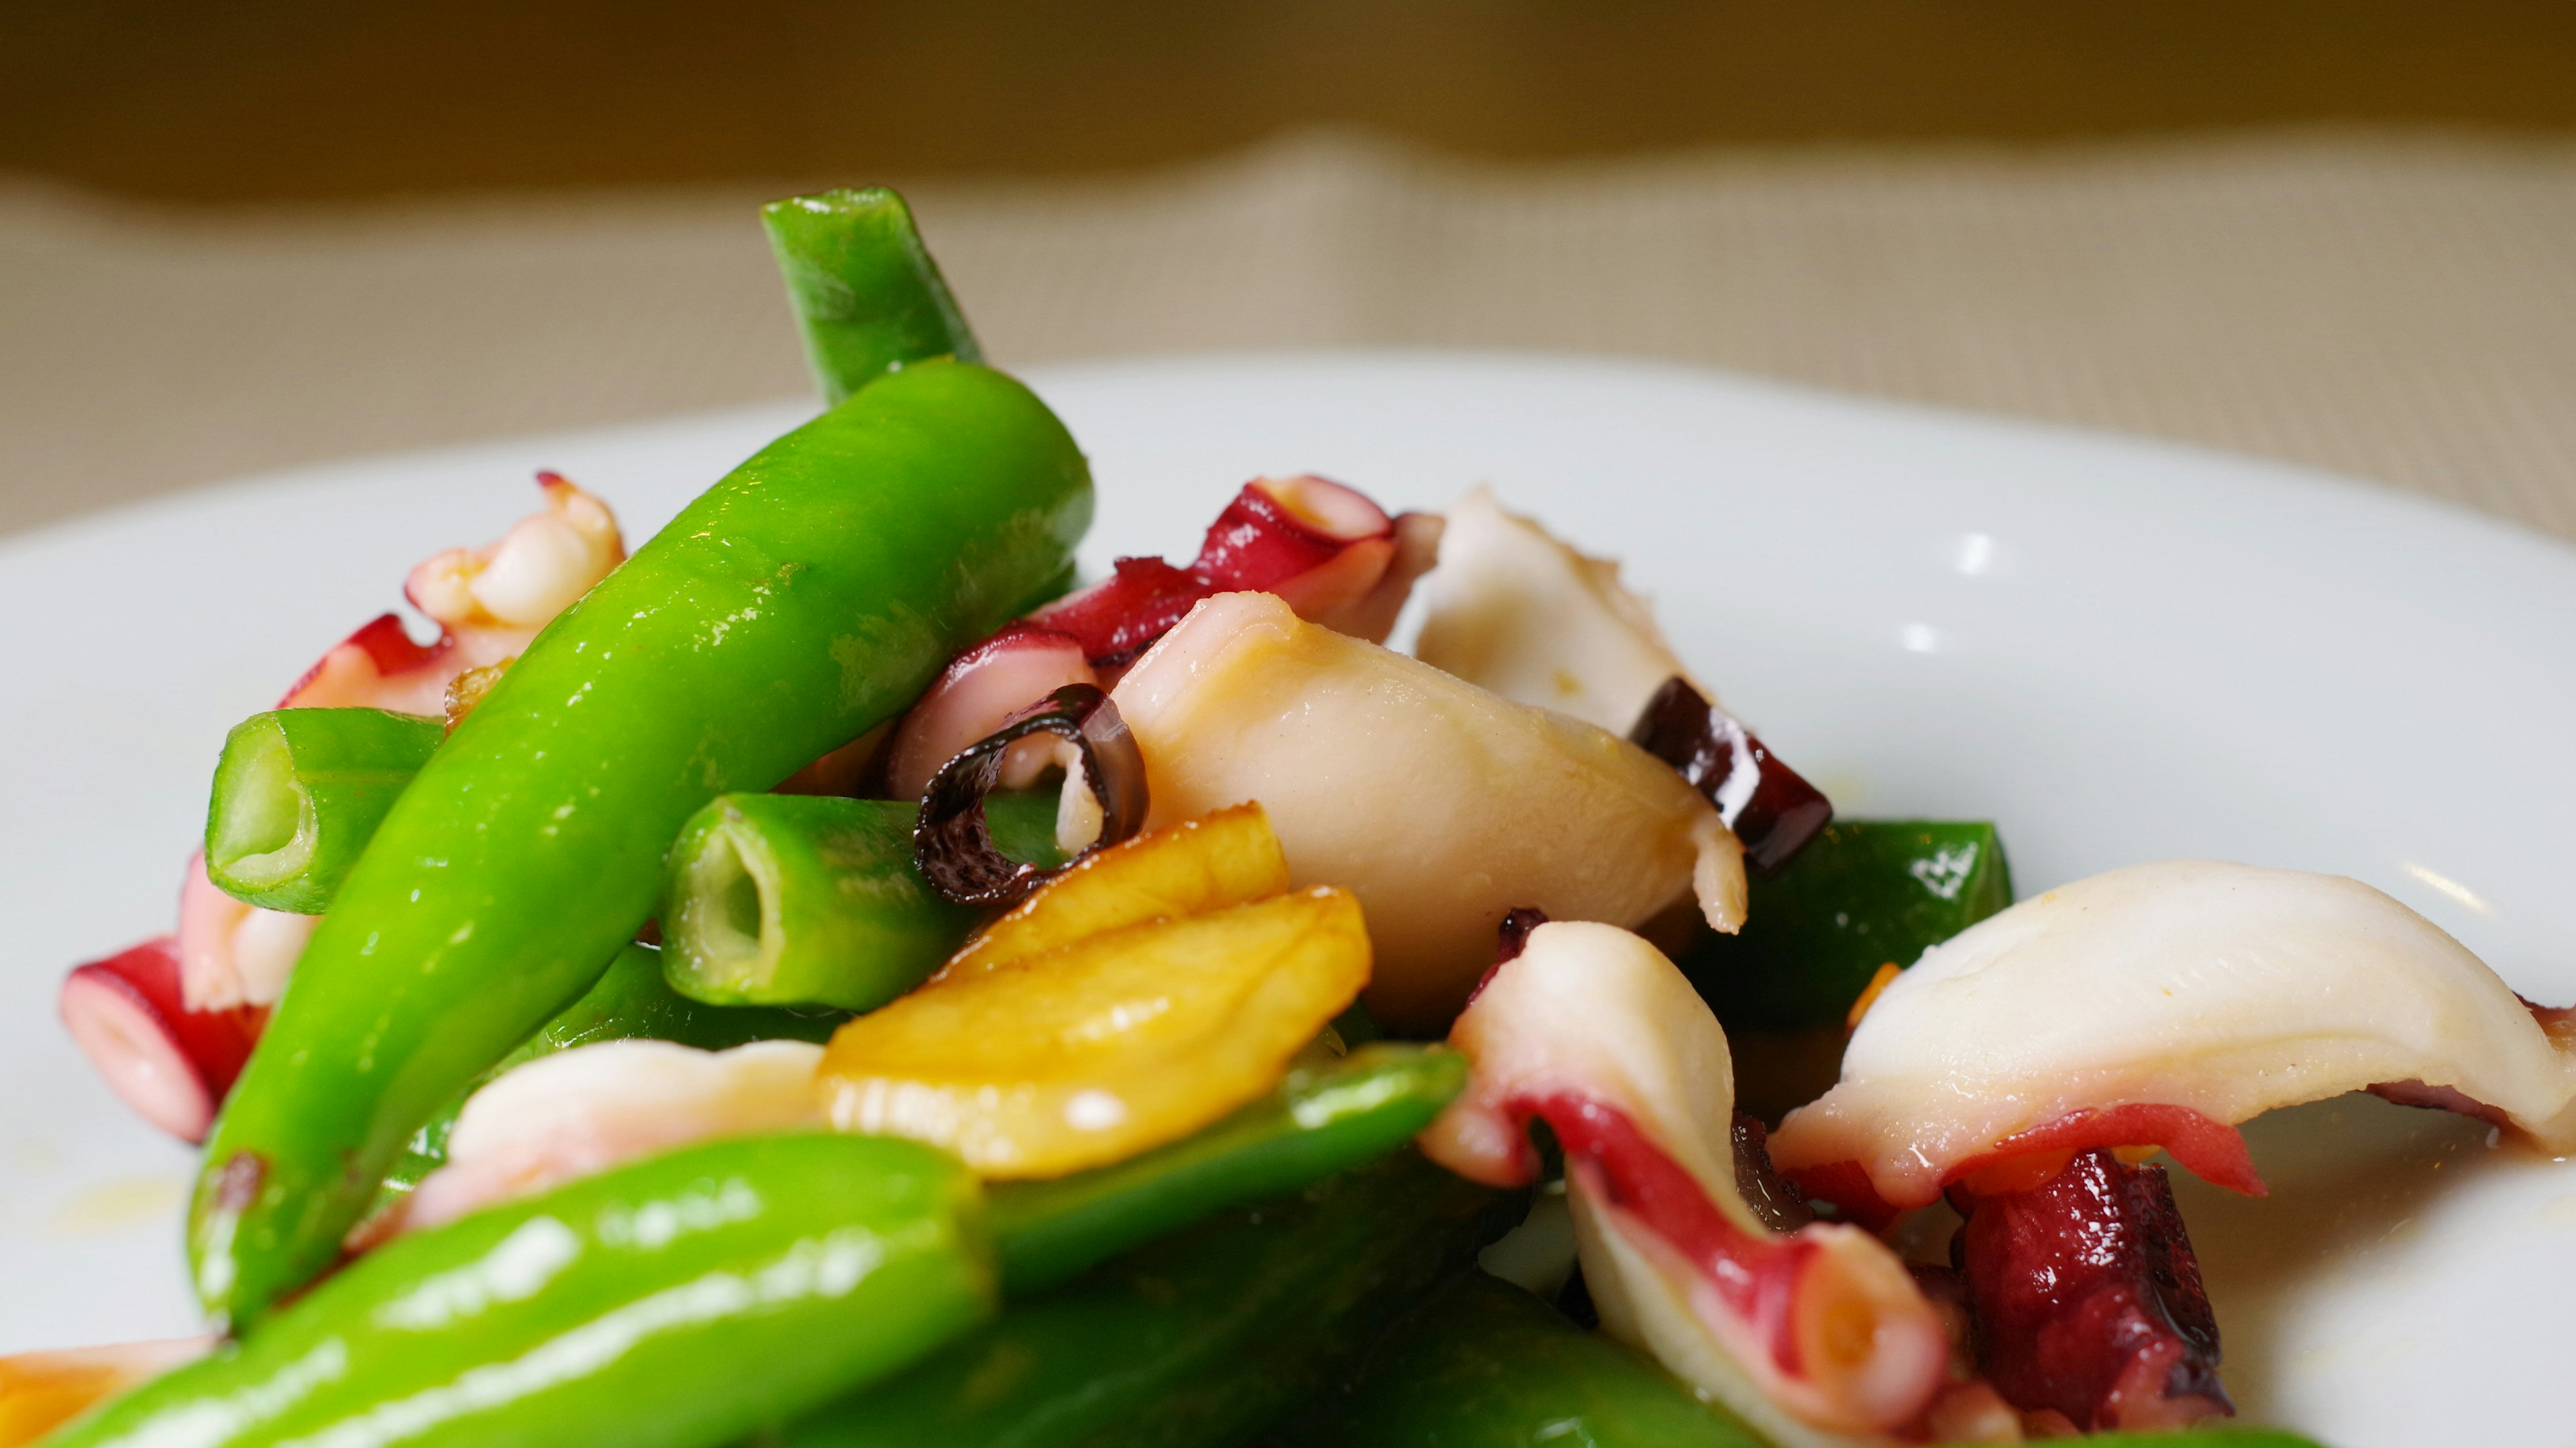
[(1864, 893), (1200, 1339), (779, 899), (630, 1002), (806, 597), (1319, 1121), (1486, 1365), (299, 792), (867, 295), (674, 1303)]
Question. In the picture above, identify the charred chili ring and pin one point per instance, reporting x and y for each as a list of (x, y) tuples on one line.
[(953, 843), (1772, 810)]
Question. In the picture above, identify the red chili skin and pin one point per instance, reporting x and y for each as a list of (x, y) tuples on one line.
[(1756, 1276), (2088, 1300), (210, 1045), (1707, 745)]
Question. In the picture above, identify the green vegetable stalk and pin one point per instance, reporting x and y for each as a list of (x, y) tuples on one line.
[(814, 900), (299, 792), (867, 295), (1319, 1121), (675, 1303), (1862, 894), (776, 899), (1201, 1339), (805, 598), (1486, 1365)]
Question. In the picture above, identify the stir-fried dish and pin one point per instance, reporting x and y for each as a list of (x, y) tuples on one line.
[(833, 978)]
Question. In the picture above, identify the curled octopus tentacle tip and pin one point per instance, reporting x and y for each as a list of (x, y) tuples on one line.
[(1591, 1030)]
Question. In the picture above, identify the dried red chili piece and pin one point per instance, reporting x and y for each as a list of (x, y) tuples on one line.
[(1771, 807)]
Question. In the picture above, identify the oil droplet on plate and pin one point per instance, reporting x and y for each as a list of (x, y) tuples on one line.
[(115, 1205)]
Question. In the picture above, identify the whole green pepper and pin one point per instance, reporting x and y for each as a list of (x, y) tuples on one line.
[(1200, 1339), (1862, 894), (299, 792), (1319, 1121), (1486, 1365), (630, 1002), (806, 597), (678, 1302), (867, 295), (779, 899)]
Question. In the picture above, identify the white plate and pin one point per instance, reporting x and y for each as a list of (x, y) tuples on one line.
[(2120, 651)]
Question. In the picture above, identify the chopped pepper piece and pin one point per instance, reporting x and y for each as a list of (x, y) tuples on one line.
[(1862, 894), (299, 792), (802, 900)]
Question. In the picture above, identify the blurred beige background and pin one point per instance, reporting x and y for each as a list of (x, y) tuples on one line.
[(2339, 234)]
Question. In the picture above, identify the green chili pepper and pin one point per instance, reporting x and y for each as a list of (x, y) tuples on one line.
[(631, 1002), (1486, 1365), (298, 793), (806, 597), (1199, 1339), (1864, 893), (777, 899), (866, 292), (675, 1303), (1318, 1122)]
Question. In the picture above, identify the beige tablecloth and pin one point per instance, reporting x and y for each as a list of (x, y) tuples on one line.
[(2401, 308)]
